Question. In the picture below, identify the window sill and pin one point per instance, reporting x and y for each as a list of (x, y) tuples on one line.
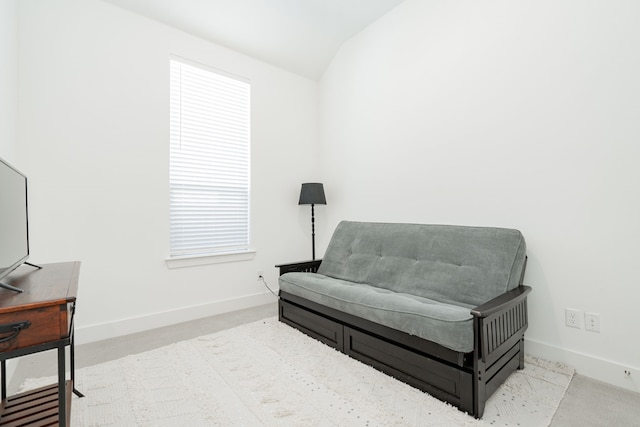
[(193, 261)]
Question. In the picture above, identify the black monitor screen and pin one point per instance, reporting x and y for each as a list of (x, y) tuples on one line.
[(14, 241)]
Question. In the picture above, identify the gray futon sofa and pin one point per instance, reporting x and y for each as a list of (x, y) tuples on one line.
[(442, 308)]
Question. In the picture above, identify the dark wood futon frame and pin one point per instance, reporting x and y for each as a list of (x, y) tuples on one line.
[(466, 380)]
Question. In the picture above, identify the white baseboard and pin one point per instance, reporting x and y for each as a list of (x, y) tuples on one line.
[(597, 368), (102, 331)]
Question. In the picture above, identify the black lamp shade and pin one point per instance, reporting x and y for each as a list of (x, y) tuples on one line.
[(312, 193)]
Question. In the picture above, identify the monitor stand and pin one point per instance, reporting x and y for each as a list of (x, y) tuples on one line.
[(13, 288), (9, 287)]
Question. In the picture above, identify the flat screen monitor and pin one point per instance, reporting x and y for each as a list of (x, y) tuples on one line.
[(14, 225)]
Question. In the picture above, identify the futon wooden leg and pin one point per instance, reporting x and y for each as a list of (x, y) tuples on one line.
[(521, 355)]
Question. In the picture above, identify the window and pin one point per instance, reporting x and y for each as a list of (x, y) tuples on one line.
[(209, 161)]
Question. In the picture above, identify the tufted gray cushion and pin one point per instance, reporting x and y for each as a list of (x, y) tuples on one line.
[(449, 325), (451, 264)]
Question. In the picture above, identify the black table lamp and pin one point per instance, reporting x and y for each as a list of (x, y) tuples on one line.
[(312, 193)]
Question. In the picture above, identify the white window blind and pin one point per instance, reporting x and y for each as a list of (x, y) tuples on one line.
[(209, 162)]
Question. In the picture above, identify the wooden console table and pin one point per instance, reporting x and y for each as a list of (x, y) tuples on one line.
[(39, 319)]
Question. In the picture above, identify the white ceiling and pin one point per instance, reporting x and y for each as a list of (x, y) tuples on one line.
[(301, 36)]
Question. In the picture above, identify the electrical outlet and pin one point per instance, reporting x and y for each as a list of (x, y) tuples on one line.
[(573, 318), (260, 275), (592, 322)]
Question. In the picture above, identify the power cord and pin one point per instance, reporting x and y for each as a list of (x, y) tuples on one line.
[(261, 277)]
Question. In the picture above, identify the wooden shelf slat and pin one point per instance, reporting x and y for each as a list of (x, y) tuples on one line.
[(35, 408)]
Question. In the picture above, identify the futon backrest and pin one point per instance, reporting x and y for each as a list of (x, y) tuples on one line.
[(454, 264)]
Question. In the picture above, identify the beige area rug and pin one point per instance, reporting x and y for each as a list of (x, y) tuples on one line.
[(269, 374)]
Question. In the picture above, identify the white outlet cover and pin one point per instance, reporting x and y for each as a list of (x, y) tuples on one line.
[(592, 322), (573, 318)]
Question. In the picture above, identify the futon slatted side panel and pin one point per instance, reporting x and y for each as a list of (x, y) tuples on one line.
[(499, 350), (503, 330)]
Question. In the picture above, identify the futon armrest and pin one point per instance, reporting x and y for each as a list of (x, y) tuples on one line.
[(502, 302), (300, 267)]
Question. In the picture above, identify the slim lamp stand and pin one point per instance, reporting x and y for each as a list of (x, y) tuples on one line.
[(313, 234), (312, 193)]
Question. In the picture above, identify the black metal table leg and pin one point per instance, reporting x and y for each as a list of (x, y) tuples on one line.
[(3, 372), (62, 393), (73, 367)]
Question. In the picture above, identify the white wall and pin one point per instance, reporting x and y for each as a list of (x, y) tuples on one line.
[(94, 83), (512, 114), (9, 80)]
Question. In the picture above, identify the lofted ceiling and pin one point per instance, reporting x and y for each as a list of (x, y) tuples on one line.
[(301, 36)]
